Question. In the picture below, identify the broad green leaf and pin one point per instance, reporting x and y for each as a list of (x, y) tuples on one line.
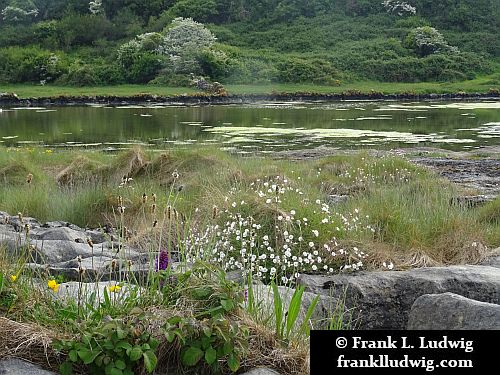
[(66, 368), (135, 354), (73, 355), (192, 356), (123, 345), (233, 362), (120, 364), (88, 356), (150, 361), (228, 305), (210, 355)]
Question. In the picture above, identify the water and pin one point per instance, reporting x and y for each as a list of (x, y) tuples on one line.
[(263, 127)]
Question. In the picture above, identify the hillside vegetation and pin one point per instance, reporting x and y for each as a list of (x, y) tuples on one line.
[(321, 42)]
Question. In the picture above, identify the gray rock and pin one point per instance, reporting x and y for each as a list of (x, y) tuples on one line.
[(59, 224), (97, 236), (14, 366), (60, 234), (261, 371), (493, 260), (382, 300), (471, 201), (335, 199), (453, 312)]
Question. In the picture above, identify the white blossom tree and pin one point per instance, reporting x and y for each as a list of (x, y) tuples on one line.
[(400, 8), (19, 11), (95, 7), (427, 40), (184, 40)]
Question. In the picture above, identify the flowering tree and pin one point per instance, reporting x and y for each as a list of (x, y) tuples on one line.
[(144, 43), (95, 7), (427, 40), (184, 40), (400, 8), (19, 11)]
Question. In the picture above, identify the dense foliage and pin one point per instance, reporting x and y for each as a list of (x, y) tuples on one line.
[(81, 42)]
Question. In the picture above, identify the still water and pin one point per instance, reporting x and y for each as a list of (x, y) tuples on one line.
[(264, 127)]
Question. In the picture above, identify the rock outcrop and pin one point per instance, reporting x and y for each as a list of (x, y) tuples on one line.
[(450, 311)]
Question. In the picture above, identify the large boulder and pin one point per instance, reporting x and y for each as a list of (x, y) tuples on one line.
[(14, 366), (453, 312), (382, 300)]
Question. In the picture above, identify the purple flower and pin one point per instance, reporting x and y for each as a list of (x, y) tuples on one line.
[(161, 262)]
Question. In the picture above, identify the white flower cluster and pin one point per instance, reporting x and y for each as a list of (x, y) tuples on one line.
[(280, 244), (400, 8), (15, 14)]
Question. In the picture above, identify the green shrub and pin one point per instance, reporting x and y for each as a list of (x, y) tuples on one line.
[(30, 64)]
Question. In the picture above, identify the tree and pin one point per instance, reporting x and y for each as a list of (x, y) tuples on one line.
[(95, 7), (184, 41), (427, 40), (19, 11), (400, 8)]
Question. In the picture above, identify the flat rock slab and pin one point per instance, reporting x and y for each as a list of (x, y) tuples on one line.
[(14, 366), (453, 312), (382, 300)]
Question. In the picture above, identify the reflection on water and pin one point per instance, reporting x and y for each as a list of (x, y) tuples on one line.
[(258, 126)]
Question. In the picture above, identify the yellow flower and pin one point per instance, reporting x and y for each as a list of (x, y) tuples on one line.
[(114, 288), (13, 278), (52, 284)]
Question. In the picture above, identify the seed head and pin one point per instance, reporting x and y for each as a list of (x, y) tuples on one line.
[(90, 243), (215, 211), (154, 197), (153, 208), (121, 209), (175, 174), (155, 223), (113, 264), (144, 198), (169, 212), (120, 200), (29, 178)]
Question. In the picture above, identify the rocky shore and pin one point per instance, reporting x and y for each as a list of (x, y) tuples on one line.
[(11, 99)]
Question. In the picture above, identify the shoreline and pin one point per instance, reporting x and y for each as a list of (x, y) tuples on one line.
[(10, 99)]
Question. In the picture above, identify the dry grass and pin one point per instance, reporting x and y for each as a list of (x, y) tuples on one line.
[(29, 342)]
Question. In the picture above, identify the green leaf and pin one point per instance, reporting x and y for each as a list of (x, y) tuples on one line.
[(115, 371), (210, 355), (150, 361), (294, 308), (170, 336), (227, 348), (66, 368), (135, 354), (88, 356), (120, 364), (73, 356), (228, 305), (123, 345), (107, 301), (305, 328), (233, 362), (192, 356)]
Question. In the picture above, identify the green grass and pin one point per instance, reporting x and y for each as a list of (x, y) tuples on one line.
[(481, 84), (408, 208)]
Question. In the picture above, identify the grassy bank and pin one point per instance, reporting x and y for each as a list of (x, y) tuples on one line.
[(266, 219), (481, 85), (393, 210)]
